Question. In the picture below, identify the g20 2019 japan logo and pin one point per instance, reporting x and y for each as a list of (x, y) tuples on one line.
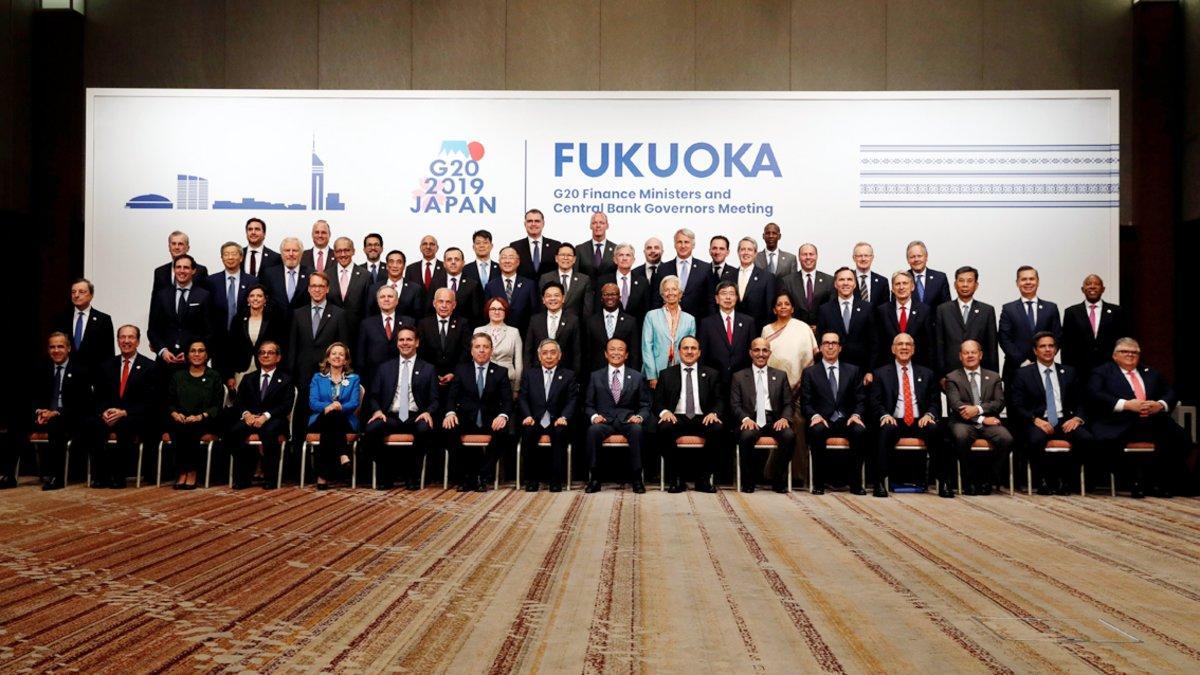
[(453, 182)]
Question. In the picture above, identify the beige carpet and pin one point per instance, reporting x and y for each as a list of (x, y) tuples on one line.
[(300, 581)]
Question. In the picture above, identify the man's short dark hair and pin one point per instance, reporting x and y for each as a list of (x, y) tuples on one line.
[(722, 238), (398, 252), (966, 269), (260, 221), (537, 212), (726, 284), (567, 245), (481, 233), (1044, 334), (374, 235), (185, 256), (553, 284)]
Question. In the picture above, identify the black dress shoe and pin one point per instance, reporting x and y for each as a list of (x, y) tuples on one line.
[(1136, 491), (188, 486), (1044, 488), (177, 486), (639, 487), (52, 484), (1062, 489), (7, 483), (385, 485), (1161, 492), (817, 490), (118, 484), (466, 486), (531, 487), (748, 489), (676, 487), (985, 489), (481, 485), (242, 485), (970, 490), (705, 486), (555, 487), (411, 485), (781, 488), (857, 490), (269, 485), (880, 490), (945, 491), (321, 486), (592, 486)]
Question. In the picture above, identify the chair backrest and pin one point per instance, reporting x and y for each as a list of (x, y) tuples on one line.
[(295, 395)]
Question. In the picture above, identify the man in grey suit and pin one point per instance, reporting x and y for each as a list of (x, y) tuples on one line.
[(761, 400), (578, 295), (975, 396), (965, 318), (772, 258), (807, 288)]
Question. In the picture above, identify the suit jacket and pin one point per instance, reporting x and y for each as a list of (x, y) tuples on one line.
[(952, 332), (626, 327), (698, 296), (373, 346), (1082, 349), (415, 273), (563, 398), (881, 289), (634, 399), (274, 280), (580, 296), (278, 399), (548, 264), (669, 392), (444, 357), (98, 337), (759, 299), (795, 287), (141, 389), (817, 396), (640, 292), (585, 254), (858, 344), (742, 400), (958, 392), (308, 260), (885, 391), (920, 327), (569, 336), (77, 399), (269, 259), (471, 270), (218, 307), (239, 350), (380, 271), (937, 288), (411, 303), (355, 301), (1028, 392), (524, 300), (715, 350), (304, 352), (465, 400), (164, 276), (384, 386), (468, 299), (785, 263), (653, 279), (727, 272), (1015, 335), (1108, 384), (171, 330), (321, 394)]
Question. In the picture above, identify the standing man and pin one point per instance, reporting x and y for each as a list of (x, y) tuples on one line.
[(906, 402), (468, 294), (618, 402), (264, 400), (374, 266), (444, 340), (718, 250), (871, 287), (689, 401), (403, 399), (848, 315), (633, 288), (62, 400), (256, 257), (164, 275), (91, 330), (517, 290), (652, 251), (903, 314), (975, 397), (126, 393), (1048, 405), (480, 402), (482, 268), (314, 327), (834, 401), (547, 403), (756, 285), (1021, 319), (773, 259), (965, 318), (725, 337), (319, 258), (557, 324), (1091, 328), (287, 283), (421, 272), (178, 315), (377, 333), (807, 287), (611, 322), (695, 276), (536, 252), (578, 294), (595, 256), (761, 399), (235, 287), (349, 284), (409, 297), (932, 286)]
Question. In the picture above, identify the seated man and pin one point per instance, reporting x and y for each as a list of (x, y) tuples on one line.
[(480, 402), (1130, 403), (976, 397), (834, 401), (62, 399), (618, 402), (125, 398), (403, 399), (761, 400), (547, 402), (1047, 406), (264, 401), (690, 402), (906, 403)]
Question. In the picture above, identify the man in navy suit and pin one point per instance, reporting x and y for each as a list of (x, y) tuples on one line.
[(257, 258), (421, 272), (402, 399), (482, 268), (468, 294), (410, 299), (126, 391), (1091, 328), (546, 403), (695, 277), (90, 330), (287, 282), (375, 267), (962, 319), (377, 334), (718, 250), (618, 402), (834, 401), (848, 315), (348, 284), (594, 257), (179, 314), (164, 275), (264, 401), (634, 290), (578, 294), (725, 336), (233, 286), (314, 327), (689, 401), (555, 322), (536, 252), (1047, 406), (906, 403), (517, 290), (480, 402), (62, 402), (610, 322), (871, 287), (761, 400), (903, 314), (319, 258), (756, 286), (1131, 402), (651, 270), (932, 286), (1021, 319), (808, 287)]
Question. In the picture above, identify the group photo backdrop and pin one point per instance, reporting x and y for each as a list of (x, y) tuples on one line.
[(990, 179)]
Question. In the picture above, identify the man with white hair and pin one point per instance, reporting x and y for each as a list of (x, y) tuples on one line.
[(594, 257), (695, 276)]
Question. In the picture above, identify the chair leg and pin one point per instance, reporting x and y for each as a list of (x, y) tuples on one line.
[(446, 470), (1082, 482), (158, 472), (958, 468), (737, 468), (374, 485), (497, 480), (208, 465), (1029, 477), (67, 464), (141, 451), (424, 463), (353, 465), (862, 477), (279, 471), (789, 475), (569, 445), (1112, 483), (1012, 484), (231, 471), (810, 471), (305, 448), (662, 474), (518, 447)]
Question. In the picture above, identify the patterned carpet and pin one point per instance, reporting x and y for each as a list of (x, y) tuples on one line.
[(154, 580)]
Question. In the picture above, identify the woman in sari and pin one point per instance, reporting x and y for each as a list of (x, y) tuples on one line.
[(793, 348)]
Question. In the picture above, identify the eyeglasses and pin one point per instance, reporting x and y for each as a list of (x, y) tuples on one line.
[(267, 352), (827, 343), (1133, 352)]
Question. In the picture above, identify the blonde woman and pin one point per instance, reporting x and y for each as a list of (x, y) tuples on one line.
[(663, 329)]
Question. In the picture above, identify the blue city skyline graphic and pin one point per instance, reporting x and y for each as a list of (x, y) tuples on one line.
[(191, 194)]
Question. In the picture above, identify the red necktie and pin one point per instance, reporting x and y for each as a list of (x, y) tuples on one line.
[(387, 327), (908, 401), (124, 378), (903, 319), (428, 274), (320, 261), (729, 330), (1139, 392)]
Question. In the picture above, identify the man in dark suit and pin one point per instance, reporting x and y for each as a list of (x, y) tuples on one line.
[(62, 402), (725, 337), (808, 288), (871, 287), (126, 393), (760, 398), (689, 401), (468, 294), (256, 257), (834, 401), (421, 272), (91, 330), (314, 327), (634, 290), (578, 295), (651, 270), (695, 277), (264, 401), (517, 290), (375, 267), (377, 334), (848, 315), (903, 314), (558, 324), (319, 258), (906, 403), (536, 252), (164, 275), (1091, 328), (756, 286), (403, 399), (964, 318), (179, 314), (1021, 319), (482, 268), (287, 282), (1047, 405), (410, 296), (618, 402), (594, 257), (772, 258), (232, 287), (480, 402), (722, 270), (349, 284), (975, 397), (932, 288), (611, 322), (445, 341), (1131, 402), (546, 403)]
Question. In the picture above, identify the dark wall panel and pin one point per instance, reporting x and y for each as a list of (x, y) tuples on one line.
[(458, 44), (648, 44), (365, 44), (743, 44), (553, 44), (150, 43), (271, 44)]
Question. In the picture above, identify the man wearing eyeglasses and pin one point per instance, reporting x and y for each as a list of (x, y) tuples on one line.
[(264, 400)]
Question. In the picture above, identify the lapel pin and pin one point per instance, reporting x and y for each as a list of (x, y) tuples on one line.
[(919, 379)]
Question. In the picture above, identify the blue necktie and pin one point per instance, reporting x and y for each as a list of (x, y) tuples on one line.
[(920, 287), (846, 315), (1051, 409), (684, 269), (57, 399), (485, 272), (536, 251), (231, 301), (291, 285), (1029, 313), (78, 338), (479, 382), (402, 413)]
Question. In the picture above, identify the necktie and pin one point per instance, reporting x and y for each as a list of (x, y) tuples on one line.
[(181, 303), (387, 327), (808, 290), (771, 262), (535, 249), (1092, 320), (320, 260), (428, 274), (508, 289), (1051, 409), (760, 398), (909, 415), (231, 302), (316, 320), (58, 387), (846, 315), (597, 258), (609, 324), (717, 272), (374, 270), (402, 413), (615, 386), (864, 291), (479, 382), (485, 272), (1139, 392), (291, 284), (124, 378), (689, 408), (344, 283), (443, 333), (921, 287), (77, 339), (976, 397), (552, 325), (653, 271), (833, 381), (454, 285), (547, 379), (253, 263), (729, 330), (684, 269), (625, 292), (266, 382), (1029, 313), (903, 319), (966, 311), (564, 283)]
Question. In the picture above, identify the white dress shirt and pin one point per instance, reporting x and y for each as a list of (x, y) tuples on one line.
[(743, 279), (412, 401), (898, 411), (681, 407)]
